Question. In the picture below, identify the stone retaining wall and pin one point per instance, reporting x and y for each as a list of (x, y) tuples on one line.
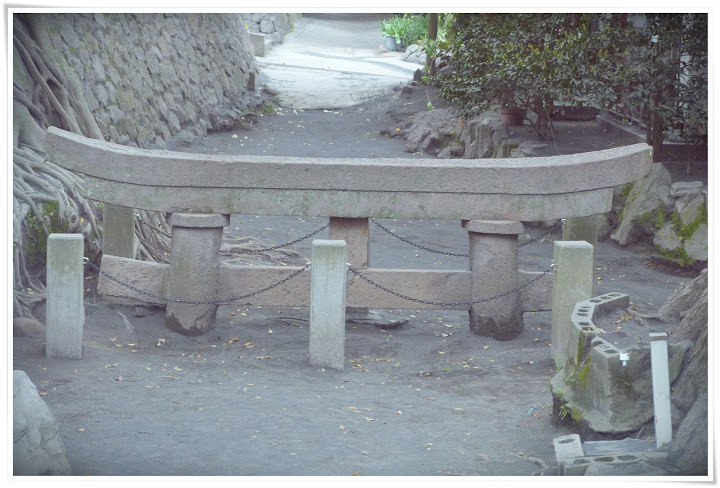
[(275, 25), (150, 77)]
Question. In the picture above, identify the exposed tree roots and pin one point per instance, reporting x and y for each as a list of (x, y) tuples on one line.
[(46, 197)]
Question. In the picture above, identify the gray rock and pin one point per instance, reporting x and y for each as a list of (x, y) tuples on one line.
[(689, 208), (27, 327), (682, 188), (646, 197), (697, 246), (38, 449), (667, 239), (414, 54), (689, 449)]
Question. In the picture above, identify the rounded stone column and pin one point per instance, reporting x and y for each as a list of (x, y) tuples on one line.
[(194, 262), (494, 268)]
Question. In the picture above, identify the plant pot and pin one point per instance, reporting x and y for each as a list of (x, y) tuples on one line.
[(390, 43), (579, 113), (512, 116)]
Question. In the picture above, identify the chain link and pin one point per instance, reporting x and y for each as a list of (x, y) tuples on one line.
[(272, 248), (447, 304), (198, 302), (414, 244)]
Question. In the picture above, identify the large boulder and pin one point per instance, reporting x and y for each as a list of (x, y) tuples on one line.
[(646, 198), (38, 449), (689, 449)]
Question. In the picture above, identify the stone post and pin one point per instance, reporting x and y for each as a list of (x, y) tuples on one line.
[(327, 304), (356, 233), (583, 229), (65, 312), (194, 263), (572, 283), (661, 387), (494, 268), (119, 231)]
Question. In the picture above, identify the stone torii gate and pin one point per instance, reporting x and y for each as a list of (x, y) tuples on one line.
[(492, 197)]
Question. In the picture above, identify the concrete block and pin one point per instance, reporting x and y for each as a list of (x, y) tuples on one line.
[(356, 233), (573, 282), (327, 304), (65, 312), (119, 231), (258, 43), (567, 448)]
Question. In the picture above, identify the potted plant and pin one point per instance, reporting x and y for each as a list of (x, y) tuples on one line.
[(395, 30)]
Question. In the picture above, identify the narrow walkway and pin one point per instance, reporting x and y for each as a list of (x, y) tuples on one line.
[(333, 61)]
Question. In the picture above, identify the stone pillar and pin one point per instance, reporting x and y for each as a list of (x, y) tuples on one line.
[(65, 312), (572, 283), (327, 304), (356, 233), (583, 229), (194, 262), (119, 231), (661, 387), (494, 268)]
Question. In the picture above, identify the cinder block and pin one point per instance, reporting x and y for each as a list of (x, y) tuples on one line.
[(567, 448)]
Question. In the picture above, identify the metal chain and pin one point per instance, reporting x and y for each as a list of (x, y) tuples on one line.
[(272, 248), (240, 251), (198, 302), (428, 302), (414, 244)]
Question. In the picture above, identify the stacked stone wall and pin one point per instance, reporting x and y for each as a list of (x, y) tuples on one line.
[(276, 25), (151, 77)]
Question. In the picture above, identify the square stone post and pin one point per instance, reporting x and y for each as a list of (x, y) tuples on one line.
[(573, 282), (327, 304), (494, 268), (194, 263), (119, 231), (583, 229), (65, 312), (356, 234)]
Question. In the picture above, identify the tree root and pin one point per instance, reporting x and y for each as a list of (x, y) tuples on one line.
[(54, 89)]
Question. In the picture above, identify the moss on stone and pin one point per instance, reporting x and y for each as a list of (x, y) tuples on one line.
[(583, 374)]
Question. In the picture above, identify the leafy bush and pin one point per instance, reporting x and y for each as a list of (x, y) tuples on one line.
[(532, 61), (542, 61)]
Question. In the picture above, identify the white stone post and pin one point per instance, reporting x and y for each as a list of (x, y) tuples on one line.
[(572, 283), (65, 312), (119, 231), (194, 263), (494, 267), (661, 387), (327, 303)]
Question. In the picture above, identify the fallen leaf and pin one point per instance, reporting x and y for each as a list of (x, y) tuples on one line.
[(399, 412), (234, 339), (485, 347), (369, 419), (431, 398)]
